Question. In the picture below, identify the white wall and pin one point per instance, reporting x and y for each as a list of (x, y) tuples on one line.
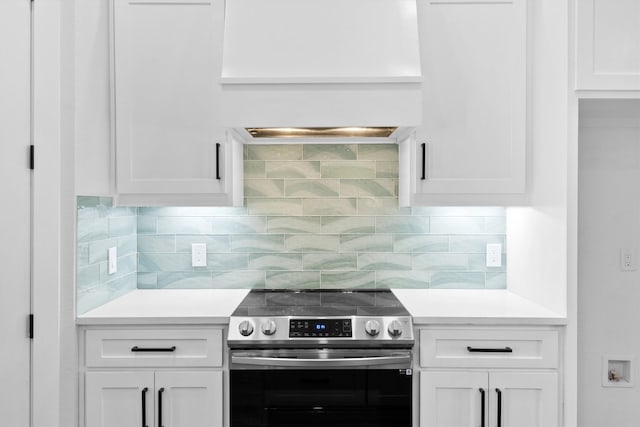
[(609, 219)]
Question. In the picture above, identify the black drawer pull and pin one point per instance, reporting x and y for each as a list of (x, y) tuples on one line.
[(144, 407), (137, 349), (482, 406), (218, 161), (489, 350), (424, 161), (499, 408)]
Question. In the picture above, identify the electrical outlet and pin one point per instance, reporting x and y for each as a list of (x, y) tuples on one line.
[(112, 260), (627, 259), (198, 254), (494, 255)]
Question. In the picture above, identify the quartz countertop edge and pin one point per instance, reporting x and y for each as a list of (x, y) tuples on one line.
[(475, 307), (167, 307)]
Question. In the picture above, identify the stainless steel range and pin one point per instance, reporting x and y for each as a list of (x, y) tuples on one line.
[(328, 357)]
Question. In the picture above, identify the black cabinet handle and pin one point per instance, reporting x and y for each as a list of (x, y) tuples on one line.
[(218, 160), (144, 407), (137, 349), (499, 414), (489, 350), (424, 161), (160, 407), (482, 406)]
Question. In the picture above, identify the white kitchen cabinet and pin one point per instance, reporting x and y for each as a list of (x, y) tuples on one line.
[(471, 147), (169, 145), (608, 45)]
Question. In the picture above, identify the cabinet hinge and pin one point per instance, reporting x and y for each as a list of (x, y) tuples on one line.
[(31, 326), (32, 157)]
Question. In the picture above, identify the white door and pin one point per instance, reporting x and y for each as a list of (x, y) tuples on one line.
[(15, 223), (526, 399), (119, 399), (453, 399), (189, 399)]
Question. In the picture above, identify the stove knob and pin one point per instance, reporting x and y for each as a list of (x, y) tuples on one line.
[(372, 327), (246, 328), (395, 328), (268, 327)]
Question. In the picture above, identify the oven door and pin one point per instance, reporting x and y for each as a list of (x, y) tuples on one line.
[(321, 388)]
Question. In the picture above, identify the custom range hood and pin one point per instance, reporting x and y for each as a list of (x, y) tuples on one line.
[(321, 68)]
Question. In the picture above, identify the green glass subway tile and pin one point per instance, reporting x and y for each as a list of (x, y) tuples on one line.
[(495, 280), (274, 152), (457, 225), (402, 279), (239, 280), (98, 250), (264, 187), (185, 280), (381, 206), (368, 188), (86, 214), (122, 211), (387, 169), (440, 262), (147, 280), (329, 206), (459, 211), (215, 243), (293, 280), (186, 225), (312, 243), (478, 262), (239, 225), (406, 224), (82, 255), (123, 226), (330, 151), (87, 276), (387, 152), (127, 264), (83, 202), (257, 243), (293, 224), (127, 245), (348, 280), (495, 225), (348, 224), (272, 261), (122, 285), (384, 261), (473, 244), (222, 262), (449, 280), (254, 169), (92, 230), (420, 243), (330, 262), (366, 243), (189, 211), (293, 169), (88, 299), (150, 262), (156, 243), (274, 206), (147, 224), (348, 169), (312, 188)]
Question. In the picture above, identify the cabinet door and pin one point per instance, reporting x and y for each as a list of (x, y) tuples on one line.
[(608, 45), (189, 399), (119, 399), (474, 98), (166, 56), (526, 399), (453, 399)]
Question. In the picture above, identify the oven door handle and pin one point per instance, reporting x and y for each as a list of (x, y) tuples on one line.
[(295, 362)]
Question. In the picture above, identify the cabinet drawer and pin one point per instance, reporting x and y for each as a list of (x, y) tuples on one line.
[(153, 348), (488, 348)]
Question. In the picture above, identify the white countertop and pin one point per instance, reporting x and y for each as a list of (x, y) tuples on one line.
[(480, 307), (167, 306)]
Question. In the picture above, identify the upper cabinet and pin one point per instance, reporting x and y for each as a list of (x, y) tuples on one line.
[(170, 147), (608, 45), (471, 147)]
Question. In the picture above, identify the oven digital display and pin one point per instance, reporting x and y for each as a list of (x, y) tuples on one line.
[(317, 328)]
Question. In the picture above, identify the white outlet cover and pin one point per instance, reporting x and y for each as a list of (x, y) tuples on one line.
[(112, 260), (494, 255), (198, 254)]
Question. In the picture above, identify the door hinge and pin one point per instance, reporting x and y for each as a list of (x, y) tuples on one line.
[(32, 157), (31, 326)]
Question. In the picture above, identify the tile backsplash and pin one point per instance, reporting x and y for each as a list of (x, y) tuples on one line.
[(320, 215)]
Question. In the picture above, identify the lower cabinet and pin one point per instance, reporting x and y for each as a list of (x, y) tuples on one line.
[(148, 398), (494, 398)]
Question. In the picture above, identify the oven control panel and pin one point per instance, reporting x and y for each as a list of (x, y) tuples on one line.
[(320, 328)]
